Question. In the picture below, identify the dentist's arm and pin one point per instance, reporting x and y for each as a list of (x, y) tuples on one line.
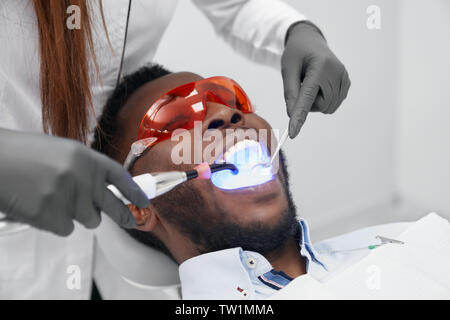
[(270, 31), (49, 182), (254, 28)]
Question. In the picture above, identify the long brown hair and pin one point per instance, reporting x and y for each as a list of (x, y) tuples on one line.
[(64, 75)]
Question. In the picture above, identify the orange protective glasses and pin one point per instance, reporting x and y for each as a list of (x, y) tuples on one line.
[(182, 106)]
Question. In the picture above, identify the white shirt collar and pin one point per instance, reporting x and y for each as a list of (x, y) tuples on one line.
[(232, 273)]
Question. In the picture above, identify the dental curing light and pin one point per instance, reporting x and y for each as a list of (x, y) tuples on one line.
[(157, 184)]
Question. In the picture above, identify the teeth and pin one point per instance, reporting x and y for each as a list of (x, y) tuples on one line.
[(250, 157)]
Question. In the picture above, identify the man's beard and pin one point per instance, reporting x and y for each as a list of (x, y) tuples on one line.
[(210, 228)]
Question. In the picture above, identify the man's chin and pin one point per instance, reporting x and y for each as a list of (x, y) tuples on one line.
[(261, 228), (248, 198), (257, 236)]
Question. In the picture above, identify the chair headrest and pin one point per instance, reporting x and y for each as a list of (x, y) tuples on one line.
[(133, 260)]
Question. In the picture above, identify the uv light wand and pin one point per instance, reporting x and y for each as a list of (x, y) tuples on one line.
[(156, 184)]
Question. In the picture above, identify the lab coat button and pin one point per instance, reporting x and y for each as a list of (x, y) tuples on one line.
[(251, 263)]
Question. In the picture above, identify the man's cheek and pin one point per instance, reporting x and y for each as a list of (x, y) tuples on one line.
[(255, 121), (159, 158), (203, 189)]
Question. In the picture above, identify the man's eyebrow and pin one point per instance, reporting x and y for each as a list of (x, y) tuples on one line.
[(164, 101), (172, 121)]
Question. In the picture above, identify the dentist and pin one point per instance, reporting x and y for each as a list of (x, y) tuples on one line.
[(55, 74)]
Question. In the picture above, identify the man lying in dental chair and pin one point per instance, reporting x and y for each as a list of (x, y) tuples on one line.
[(247, 242)]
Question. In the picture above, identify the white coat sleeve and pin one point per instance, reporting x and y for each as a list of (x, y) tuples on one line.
[(254, 28)]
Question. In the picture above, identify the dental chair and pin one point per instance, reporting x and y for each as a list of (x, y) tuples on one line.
[(127, 269)]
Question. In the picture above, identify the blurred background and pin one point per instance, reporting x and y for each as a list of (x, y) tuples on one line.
[(385, 155)]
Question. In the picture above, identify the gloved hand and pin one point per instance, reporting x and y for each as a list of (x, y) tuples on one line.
[(314, 79), (48, 182)]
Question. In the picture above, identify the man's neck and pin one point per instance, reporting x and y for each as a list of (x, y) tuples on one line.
[(288, 259)]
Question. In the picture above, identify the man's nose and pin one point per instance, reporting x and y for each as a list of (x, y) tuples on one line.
[(219, 116)]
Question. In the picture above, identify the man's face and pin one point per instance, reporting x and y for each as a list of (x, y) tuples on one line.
[(256, 218)]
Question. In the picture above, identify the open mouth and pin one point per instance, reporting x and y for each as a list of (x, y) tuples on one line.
[(247, 155)]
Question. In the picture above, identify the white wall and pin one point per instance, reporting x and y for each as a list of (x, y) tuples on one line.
[(340, 164), (424, 105)]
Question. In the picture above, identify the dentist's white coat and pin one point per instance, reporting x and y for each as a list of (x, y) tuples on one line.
[(36, 264)]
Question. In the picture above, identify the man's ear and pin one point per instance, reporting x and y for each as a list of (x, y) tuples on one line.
[(146, 219)]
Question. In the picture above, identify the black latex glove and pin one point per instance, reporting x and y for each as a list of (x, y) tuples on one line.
[(314, 79), (48, 182)]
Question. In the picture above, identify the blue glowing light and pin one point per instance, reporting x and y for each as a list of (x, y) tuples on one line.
[(245, 155)]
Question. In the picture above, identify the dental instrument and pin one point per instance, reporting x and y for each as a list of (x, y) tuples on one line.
[(277, 150), (280, 144), (384, 241), (159, 183)]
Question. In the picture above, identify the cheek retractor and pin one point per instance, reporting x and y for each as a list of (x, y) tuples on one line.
[(245, 155)]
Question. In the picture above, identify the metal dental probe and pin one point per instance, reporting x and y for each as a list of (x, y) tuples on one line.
[(277, 150), (280, 144)]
